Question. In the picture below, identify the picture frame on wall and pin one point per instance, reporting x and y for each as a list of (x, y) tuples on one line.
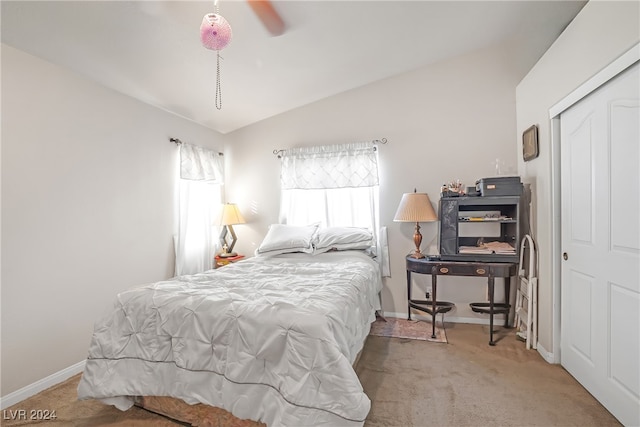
[(530, 143)]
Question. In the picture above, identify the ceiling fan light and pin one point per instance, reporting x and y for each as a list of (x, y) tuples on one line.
[(215, 32)]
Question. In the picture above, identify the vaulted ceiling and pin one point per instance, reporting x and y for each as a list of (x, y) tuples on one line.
[(151, 50)]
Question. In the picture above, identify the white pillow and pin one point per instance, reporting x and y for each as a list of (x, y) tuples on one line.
[(342, 239), (283, 238)]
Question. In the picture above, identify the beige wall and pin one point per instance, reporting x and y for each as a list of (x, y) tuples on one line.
[(87, 209), (601, 32), (447, 121)]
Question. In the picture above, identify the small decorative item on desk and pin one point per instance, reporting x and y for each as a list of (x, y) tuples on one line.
[(221, 261), (453, 189)]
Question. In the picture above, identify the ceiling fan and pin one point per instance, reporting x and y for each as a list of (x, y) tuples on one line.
[(215, 32), (269, 17)]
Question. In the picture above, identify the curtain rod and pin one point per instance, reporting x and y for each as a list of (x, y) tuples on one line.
[(375, 141), (178, 142)]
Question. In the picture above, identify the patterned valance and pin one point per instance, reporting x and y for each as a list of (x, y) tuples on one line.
[(330, 166), (201, 164)]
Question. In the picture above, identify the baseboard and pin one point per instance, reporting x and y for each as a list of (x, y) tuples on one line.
[(546, 355), (40, 385)]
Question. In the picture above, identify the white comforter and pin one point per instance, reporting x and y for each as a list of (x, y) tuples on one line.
[(269, 339)]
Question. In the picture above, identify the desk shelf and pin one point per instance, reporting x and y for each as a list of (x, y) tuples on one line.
[(485, 308), (428, 306), (469, 221)]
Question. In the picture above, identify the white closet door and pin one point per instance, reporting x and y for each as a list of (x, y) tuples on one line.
[(600, 296)]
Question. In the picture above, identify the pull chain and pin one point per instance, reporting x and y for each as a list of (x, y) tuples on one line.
[(218, 85)]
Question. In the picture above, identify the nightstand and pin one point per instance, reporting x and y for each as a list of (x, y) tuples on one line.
[(222, 261)]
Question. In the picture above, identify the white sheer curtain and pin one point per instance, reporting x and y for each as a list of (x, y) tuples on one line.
[(200, 198), (335, 185)]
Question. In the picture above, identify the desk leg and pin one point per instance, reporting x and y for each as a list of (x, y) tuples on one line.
[(408, 294), (434, 306), (507, 291), (491, 298)]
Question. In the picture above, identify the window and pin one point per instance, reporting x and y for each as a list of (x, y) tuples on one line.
[(349, 207), (335, 185)]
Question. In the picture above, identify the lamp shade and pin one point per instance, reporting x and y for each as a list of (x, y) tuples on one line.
[(415, 207), (231, 215)]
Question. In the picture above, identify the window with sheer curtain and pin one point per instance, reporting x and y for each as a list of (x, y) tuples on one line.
[(335, 185), (200, 198)]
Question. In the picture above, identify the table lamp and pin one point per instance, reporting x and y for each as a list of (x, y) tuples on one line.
[(415, 207), (230, 216)]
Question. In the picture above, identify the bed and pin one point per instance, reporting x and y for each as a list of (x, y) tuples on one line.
[(271, 338)]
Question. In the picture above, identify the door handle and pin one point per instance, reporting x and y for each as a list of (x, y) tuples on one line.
[(565, 256)]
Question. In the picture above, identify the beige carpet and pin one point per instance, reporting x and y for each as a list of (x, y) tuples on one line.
[(410, 329), (469, 383), (411, 383)]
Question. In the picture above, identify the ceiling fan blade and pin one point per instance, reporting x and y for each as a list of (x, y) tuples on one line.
[(268, 15)]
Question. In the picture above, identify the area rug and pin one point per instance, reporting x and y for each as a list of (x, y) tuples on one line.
[(411, 329)]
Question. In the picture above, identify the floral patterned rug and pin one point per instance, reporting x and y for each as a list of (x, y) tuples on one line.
[(411, 329)]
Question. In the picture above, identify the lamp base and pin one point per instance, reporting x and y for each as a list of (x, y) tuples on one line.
[(227, 247), (417, 240), (227, 254)]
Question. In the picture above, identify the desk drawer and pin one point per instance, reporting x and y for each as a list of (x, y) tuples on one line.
[(462, 270)]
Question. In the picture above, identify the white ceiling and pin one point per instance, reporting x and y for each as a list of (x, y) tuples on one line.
[(151, 50)]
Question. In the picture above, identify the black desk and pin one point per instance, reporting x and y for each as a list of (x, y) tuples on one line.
[(436, 268)]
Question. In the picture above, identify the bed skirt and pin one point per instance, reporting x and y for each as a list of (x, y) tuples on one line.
[(200, 415)]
